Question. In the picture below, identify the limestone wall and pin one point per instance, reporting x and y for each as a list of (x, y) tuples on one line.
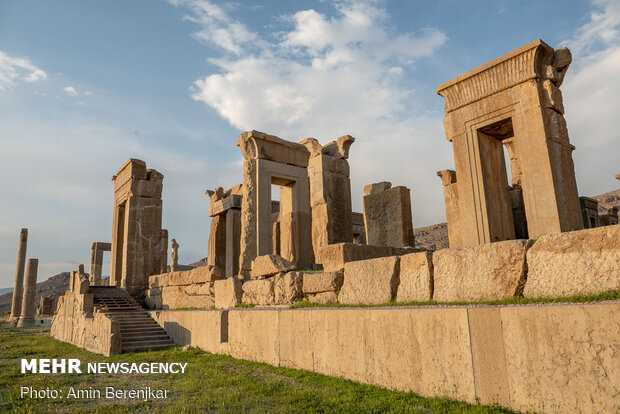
[(76, 322), (546, 358)]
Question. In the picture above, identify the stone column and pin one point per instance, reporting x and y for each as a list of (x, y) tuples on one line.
[(164, 251), (16, 307), (387, 215), (26, 318), (174, 256)]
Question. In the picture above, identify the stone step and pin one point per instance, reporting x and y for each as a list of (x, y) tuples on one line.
[(147, 344), (151, 337), (142, 333), (146, 347)]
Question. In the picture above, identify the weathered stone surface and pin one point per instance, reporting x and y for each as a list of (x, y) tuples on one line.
[(575, 263), (368, 282), (377, 187), (258, 292), (488, 272), (416, 277), (228, 293), (96, 261), (387, 217), (322, 282), (198, 302), (269, 265), (287, 288), (198, 328), (334, 256), (563, 359), (323, 298), (216, 250)]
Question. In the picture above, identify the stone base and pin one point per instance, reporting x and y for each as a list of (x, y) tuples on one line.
[(25, 322)]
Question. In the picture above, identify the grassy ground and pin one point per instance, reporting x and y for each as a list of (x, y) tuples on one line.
[(213, 383), (605, 296)]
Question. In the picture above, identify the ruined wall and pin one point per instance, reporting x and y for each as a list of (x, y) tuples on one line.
[(531, 358)]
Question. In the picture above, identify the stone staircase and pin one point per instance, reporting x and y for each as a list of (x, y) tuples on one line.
[(139, 332)]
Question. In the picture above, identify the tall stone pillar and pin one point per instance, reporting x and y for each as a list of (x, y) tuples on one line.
[(330, 191), (26, 318), (18, 289), (164, 251), (387, 215)]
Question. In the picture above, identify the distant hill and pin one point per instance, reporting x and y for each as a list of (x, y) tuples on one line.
[(607, 200), (5, 290), (432, 237)]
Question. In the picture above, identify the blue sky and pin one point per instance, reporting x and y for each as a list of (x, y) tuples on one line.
[(85, 85)]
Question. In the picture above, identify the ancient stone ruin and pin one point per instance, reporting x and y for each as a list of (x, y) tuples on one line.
[(136, 231), (96, 261), (18, 289), (513, 101), (526, 233)]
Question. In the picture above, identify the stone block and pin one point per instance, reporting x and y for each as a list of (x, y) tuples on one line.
[(369, 282), (198, 302), (228, 293), (258, 292), (416, 277), (387, 217), (322, 282), (492, 271), (563, 358), (575, 263), (269, 265), (287, 288), (323, 298), (334, 256), (253, 334)]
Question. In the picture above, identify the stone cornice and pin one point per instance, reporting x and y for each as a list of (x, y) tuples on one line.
[(518, 66)]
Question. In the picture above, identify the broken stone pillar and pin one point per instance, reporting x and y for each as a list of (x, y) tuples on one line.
[(174, 256), (136, 230), (272, 160), (224, 237), (451, 197), (387, 215), (514, 101), (18, 287), (96, 261), (26, 318), (589, 212), (164, 251), (330, 191)]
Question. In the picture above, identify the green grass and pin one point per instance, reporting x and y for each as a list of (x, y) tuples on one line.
[(609, 295), (214, 383)]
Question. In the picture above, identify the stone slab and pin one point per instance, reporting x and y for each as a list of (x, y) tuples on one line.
[(228, 292), (368, 282), (334, 256), (269, 265), (492, 271), (416, 277), (574, 263), (322, 282)]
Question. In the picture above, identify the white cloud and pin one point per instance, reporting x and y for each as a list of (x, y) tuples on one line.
[(88, 93), (591, 91), (70, 90), (14, 69), (330, 76), (217, 27)]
